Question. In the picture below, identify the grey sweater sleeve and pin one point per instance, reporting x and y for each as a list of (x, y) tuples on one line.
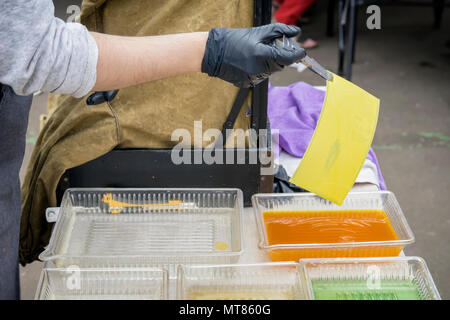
[(39, 52)]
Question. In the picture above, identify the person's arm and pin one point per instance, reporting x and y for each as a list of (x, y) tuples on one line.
[(127, 61), (243, 57), (39, 52)]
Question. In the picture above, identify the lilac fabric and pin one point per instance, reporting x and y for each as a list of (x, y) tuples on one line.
[(294, 112)]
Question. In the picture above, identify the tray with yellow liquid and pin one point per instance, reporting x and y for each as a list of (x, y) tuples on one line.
[(262, 281), (303, 225), (120, 227), (391, 278)]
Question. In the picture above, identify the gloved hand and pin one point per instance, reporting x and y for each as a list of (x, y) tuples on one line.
[(245, 57)]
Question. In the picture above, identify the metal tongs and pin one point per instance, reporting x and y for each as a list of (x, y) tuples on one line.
[(309, 62)]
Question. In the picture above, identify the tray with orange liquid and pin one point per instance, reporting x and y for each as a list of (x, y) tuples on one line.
[(303, 225), (123, 227)]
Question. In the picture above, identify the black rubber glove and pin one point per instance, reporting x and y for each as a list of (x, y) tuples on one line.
[(245, 57)]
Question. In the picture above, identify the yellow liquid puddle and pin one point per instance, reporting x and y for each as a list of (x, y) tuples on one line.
[(117, 206)]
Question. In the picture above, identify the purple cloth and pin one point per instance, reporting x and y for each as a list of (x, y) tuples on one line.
[(294, 112)]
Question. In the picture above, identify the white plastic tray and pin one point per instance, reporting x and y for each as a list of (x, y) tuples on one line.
[(263, 281), (308, 202), (75, 283), (130, 227)]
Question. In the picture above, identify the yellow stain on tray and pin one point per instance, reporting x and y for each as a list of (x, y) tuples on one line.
[(340, 142), (220, 245), (117, 206), (242, 294)]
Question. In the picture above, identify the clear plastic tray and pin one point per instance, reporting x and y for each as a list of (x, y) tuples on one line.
[(128, 227), (391, 278), (75, 283), (264, 281), (382, 200)]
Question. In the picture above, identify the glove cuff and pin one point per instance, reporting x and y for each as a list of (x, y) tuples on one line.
[(214, 52)]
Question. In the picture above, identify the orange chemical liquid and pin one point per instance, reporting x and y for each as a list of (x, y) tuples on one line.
[(334, 226)]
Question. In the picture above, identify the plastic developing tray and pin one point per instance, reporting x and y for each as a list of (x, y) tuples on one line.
[(263, 281), (129, 227), (74, 283), (309, 203), (391, 278)]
